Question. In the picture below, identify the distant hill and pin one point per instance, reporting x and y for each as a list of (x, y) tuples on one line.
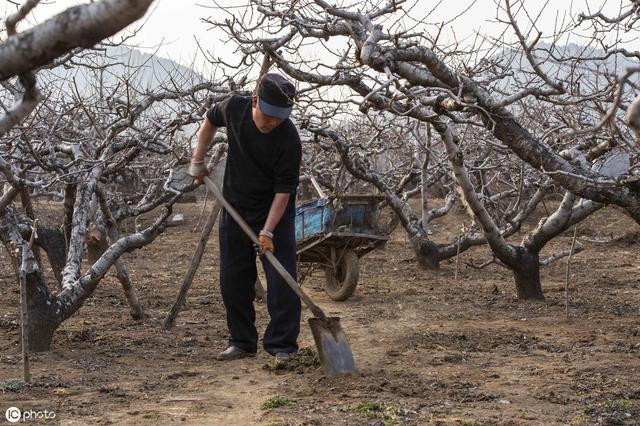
[(145, 72), (591, 73)]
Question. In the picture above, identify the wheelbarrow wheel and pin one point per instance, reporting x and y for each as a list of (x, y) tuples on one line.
[(340, 282)]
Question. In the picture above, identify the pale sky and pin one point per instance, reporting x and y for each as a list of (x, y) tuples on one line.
[(172, 26)]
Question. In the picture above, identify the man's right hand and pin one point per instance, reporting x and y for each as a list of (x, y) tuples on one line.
[(198, 170)]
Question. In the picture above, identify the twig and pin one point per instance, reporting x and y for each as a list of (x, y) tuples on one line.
[(609, 240), (568, 274), (564, 253), (455, 277), (25, 307), (193, 267), (485, 264), (204, 206), (12, 20), (303, 274)]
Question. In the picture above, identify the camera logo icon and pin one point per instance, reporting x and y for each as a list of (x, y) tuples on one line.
[(13, 414)]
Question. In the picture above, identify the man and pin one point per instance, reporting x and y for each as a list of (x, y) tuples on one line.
[(260, 180)]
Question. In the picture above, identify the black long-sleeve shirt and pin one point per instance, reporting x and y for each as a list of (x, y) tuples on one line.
[(258, 165)]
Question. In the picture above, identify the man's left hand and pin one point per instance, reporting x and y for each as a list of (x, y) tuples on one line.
[(266, 242)]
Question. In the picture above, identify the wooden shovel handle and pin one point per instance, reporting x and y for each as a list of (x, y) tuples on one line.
[(315, 309)]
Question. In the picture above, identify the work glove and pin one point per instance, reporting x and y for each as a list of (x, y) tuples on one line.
[(197, 170), (265, 239)]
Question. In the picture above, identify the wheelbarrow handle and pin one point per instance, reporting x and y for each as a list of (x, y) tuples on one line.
[(315, 309)]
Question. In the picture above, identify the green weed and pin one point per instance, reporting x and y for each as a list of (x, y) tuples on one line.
[(152, 415), (619, 404), (386, 413), (305, 358), (276, 402), (12, 385)]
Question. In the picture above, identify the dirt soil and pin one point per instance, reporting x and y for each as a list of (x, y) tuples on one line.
[(430, 349)]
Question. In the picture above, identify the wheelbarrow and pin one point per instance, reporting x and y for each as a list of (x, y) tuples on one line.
[(335, 232)]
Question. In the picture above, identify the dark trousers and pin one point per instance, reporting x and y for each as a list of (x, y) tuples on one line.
[(238, 275)]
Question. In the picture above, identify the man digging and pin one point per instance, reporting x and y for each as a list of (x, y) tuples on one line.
[(260, 180)]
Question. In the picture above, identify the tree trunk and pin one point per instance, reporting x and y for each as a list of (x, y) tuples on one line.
[(52, 241), (42, 319), (41, 306), (97, 244), (527, 276), (135, 308), (426, 254), (424, 191), (25, 199), (69, 201), (40, 331)]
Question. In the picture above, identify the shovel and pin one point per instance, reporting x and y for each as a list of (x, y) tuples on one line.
[(331, 342)]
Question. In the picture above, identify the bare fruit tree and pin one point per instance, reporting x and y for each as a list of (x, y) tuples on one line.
[(83, 131), (555, 106)]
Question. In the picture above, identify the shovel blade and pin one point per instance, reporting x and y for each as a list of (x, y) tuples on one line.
[(334, 350)]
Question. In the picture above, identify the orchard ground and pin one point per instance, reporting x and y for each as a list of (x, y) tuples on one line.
[(430, 349)]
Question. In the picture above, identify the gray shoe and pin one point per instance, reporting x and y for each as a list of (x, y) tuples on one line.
[(285, 356), (233, 352)]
